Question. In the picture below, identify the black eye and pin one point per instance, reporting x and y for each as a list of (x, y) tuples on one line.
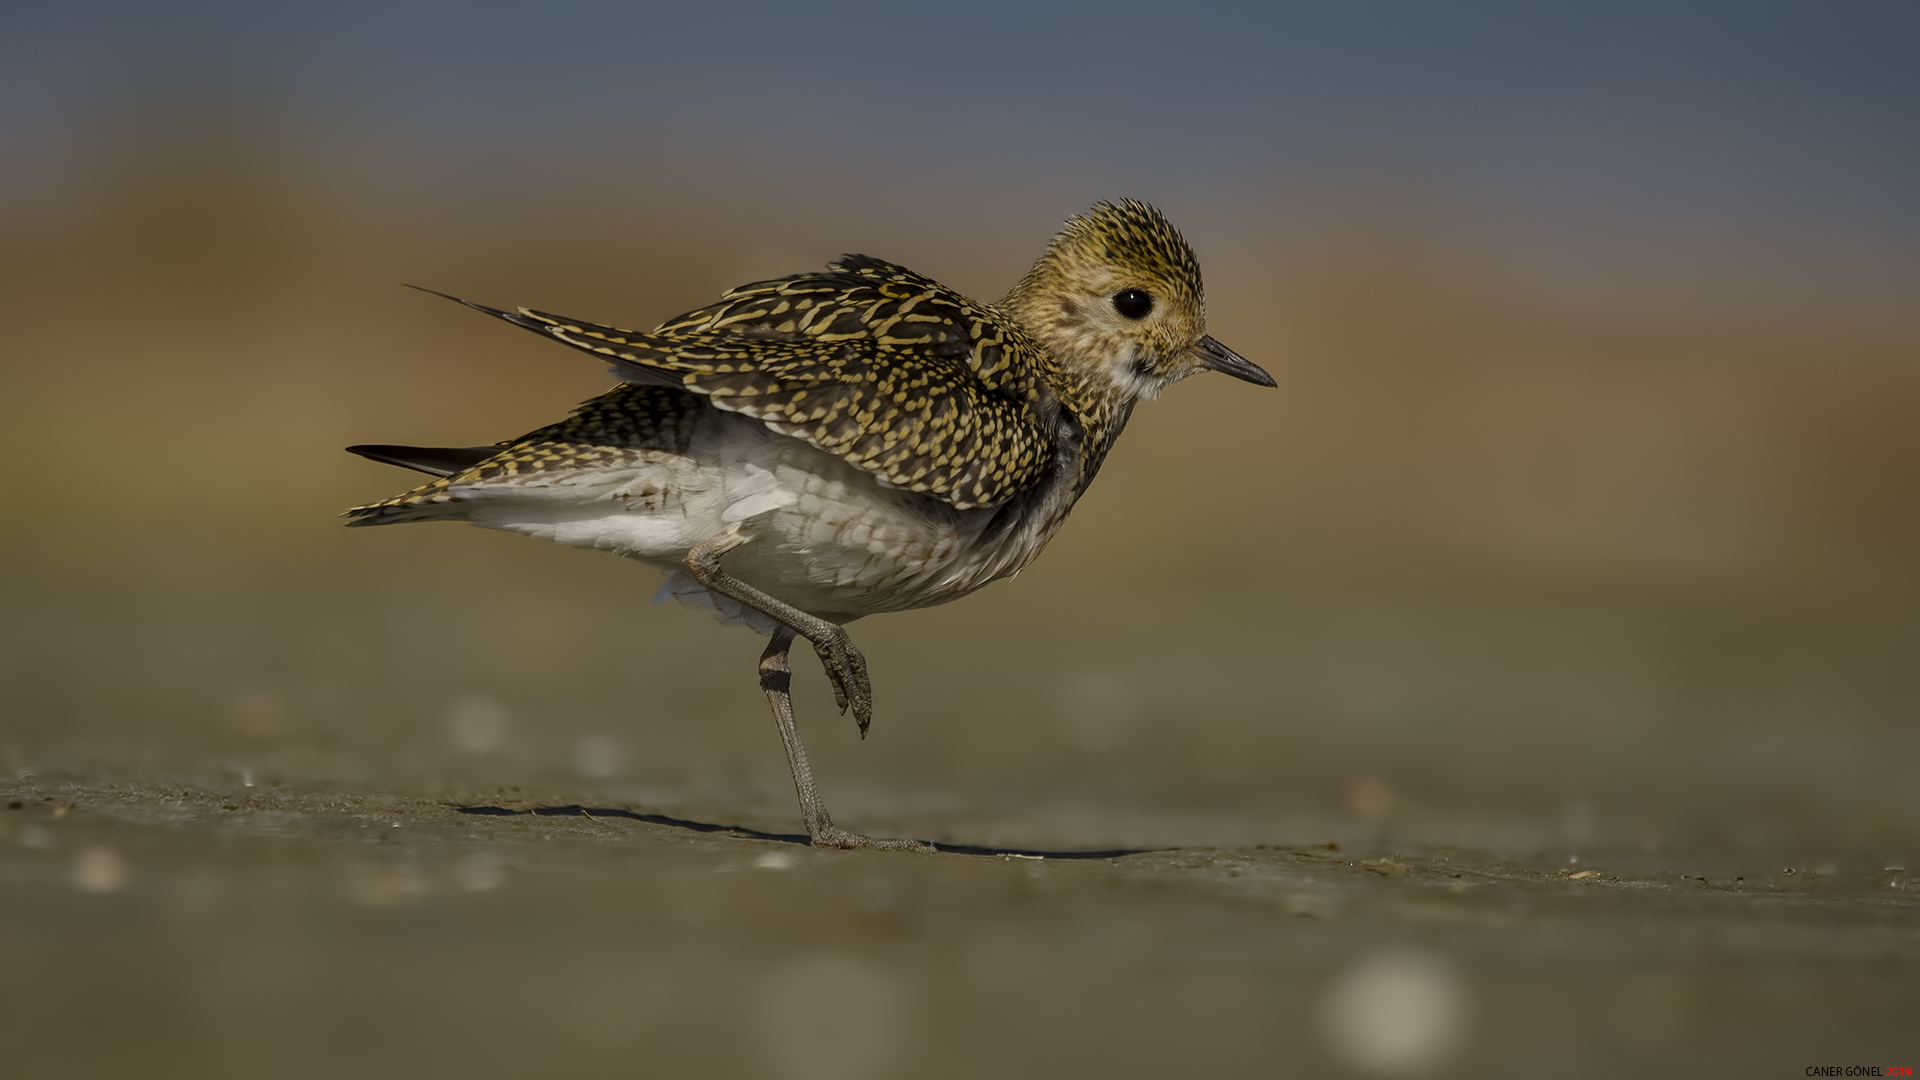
[(1133, 303)]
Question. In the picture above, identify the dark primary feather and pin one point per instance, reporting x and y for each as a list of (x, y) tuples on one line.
[(887, 369), (432, 460)]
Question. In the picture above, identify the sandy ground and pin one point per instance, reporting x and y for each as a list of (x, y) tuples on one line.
[(216, 929)]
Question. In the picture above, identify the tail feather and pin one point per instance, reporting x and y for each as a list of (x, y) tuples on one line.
[(435, 501), (522, 318), (627, 367), (432, 460), (429, 502)]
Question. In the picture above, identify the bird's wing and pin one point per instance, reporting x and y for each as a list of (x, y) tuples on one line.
[(891, 371)]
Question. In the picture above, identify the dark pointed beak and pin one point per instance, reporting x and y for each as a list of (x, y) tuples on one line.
[(1217, 357)]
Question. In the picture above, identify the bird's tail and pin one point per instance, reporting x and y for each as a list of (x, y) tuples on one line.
[(429, 502)]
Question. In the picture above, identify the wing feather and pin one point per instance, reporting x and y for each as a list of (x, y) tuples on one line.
[(895, 373)]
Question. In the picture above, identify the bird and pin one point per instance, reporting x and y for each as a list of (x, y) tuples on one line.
[(815, 449)]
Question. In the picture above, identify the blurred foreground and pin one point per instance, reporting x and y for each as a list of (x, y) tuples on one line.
[(300, 932)]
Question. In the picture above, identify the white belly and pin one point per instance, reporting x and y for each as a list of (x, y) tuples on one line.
[(823, 535)]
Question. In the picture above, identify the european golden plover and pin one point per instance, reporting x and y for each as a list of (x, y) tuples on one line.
[(822, 447)]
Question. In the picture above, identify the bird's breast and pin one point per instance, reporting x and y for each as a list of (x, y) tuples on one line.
[(835, 541)]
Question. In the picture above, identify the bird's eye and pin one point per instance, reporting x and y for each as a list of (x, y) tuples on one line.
[(1133, 303)]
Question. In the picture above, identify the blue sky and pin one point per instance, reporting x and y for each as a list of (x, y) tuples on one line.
[(1742, 127)]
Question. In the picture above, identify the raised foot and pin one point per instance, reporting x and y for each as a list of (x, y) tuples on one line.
[(834, 836), (847, 671)]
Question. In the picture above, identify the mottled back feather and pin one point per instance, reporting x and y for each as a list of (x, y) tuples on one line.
[(887, 369), (902, 377)]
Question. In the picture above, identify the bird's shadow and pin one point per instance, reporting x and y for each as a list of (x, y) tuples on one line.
[(577, 810)]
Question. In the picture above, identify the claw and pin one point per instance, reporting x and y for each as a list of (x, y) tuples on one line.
[(847, 672), (833, 836), (835, 680)]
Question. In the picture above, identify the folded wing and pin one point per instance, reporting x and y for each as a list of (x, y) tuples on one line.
[(889, 370)]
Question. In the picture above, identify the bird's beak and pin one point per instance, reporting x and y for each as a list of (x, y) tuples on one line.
[(1217, 357)]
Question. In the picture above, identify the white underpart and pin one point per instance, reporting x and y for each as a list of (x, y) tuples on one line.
[(821, 534), (681, 586), (754, 490), (656, 510)]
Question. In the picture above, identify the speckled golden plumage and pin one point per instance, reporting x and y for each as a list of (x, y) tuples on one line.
[(885, 368), (848, 442), (893, 372)]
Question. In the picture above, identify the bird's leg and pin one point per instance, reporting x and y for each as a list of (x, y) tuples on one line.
[(776, 679), (846, 668)]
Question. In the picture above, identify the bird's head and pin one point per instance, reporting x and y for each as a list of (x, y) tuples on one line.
[(1117, 301)]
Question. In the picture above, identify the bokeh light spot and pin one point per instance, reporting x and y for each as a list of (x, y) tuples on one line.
[(831, 1018), (100, 870), (478, 725), (1397, 1013)]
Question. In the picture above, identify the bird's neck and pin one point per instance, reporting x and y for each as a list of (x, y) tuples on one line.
[(1100, 431), (1086, 425), (1086, 417), (1077, 365)]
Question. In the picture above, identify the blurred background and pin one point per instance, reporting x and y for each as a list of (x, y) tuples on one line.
[(1587, 501), (1584, 519), (1582, 525)]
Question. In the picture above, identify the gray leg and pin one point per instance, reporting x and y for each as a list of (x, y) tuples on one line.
[(846, 668), (776, 679)]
